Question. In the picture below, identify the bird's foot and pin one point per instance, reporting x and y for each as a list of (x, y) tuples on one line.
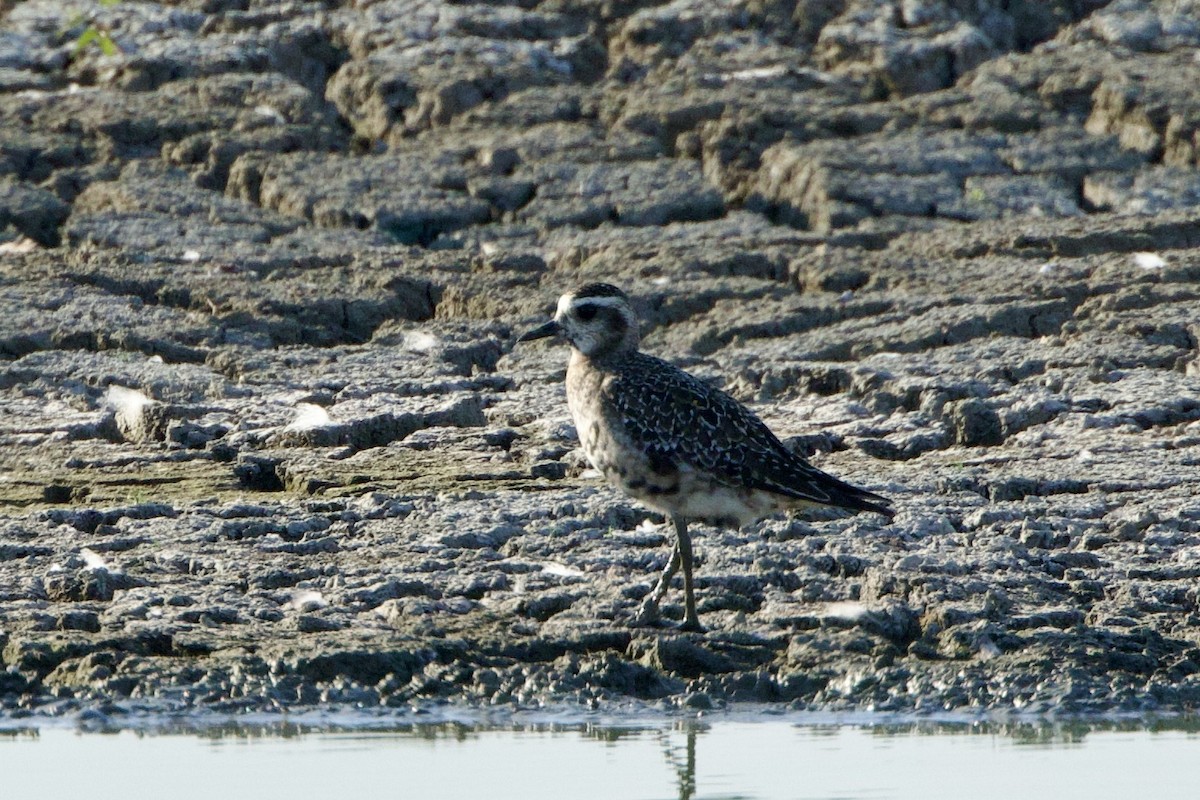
[(647, 616)]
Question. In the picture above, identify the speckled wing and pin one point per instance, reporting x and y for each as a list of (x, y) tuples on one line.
[(678, 419)]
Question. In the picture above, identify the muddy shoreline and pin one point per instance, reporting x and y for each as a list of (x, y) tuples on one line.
[(266, 445)]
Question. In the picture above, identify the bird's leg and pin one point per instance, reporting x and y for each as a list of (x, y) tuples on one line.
[(648, 613), (683, 546)]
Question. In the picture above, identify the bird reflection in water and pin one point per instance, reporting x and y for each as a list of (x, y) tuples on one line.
[(682, 759)]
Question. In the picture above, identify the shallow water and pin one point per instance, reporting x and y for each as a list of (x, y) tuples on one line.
[(725, 758)]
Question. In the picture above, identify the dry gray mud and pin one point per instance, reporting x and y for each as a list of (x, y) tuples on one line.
[(266, 442)]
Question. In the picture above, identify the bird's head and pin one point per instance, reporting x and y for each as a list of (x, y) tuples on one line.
[(596, 320)]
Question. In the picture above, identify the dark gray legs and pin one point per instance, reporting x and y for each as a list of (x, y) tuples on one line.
[(683, 548), (681, 558), (649, 611)]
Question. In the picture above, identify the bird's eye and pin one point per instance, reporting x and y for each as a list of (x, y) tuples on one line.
[(586, 313)]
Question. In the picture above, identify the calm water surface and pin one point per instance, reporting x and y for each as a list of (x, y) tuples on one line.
[(761, 759)]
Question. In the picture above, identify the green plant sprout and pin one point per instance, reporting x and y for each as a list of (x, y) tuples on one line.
[(93, 35)]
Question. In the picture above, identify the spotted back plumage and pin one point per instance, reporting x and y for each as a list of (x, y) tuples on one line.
[(679, 420)]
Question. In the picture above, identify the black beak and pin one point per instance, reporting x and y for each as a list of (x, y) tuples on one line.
[(551, 328)]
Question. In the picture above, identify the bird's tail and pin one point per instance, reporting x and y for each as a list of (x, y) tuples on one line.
[(844, 495)]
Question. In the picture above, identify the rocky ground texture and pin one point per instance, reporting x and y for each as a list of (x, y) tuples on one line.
[(266, 443)]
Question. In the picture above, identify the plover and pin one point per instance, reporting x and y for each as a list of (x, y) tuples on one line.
[(674, 442)]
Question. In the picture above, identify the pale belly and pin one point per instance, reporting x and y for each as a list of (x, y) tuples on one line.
[(719, 504), (669, 488)]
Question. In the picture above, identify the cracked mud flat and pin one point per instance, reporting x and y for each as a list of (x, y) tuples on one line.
[(266, 444)]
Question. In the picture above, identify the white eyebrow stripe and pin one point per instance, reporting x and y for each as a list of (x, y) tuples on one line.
[(569, 301), (611, 302)]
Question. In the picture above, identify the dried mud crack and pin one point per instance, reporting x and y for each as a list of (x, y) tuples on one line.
[(264, 442)]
